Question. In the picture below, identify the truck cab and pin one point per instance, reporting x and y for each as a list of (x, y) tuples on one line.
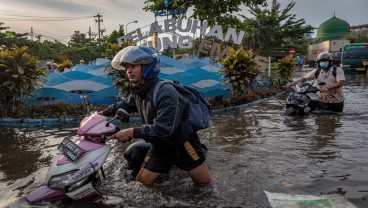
[(353, 56)]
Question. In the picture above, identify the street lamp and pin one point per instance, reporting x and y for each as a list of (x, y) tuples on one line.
[(126, 26)]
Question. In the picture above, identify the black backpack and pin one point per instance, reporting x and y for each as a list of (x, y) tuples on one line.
[(198, 107), (318, 71)]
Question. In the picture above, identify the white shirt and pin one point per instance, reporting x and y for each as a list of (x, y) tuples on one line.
[(333, 95)]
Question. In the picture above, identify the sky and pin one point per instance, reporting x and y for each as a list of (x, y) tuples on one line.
[(22, 15)]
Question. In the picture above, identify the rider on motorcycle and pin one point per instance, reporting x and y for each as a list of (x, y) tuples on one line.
[(331, 94)]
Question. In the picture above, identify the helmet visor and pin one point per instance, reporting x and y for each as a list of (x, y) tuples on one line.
[(131, 55)]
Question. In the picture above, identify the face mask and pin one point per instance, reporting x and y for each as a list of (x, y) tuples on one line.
[(324, 65)]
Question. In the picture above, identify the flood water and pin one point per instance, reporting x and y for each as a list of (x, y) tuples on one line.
[(251, 150)]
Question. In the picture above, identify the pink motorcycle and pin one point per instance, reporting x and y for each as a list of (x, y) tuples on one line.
[(76, 172)]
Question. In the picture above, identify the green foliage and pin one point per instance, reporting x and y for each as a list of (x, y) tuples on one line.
[(285, 68), (111, 50), (78, 40), (357, 38), (300, 45), (246, 97), (119, 80), (66, 64), (45, 50), (112, 38), (271, 29), (54, 110), (18, 76), (215, 11), (240, 70)]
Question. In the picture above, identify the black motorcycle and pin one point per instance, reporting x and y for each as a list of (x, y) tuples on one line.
[(303, 100)]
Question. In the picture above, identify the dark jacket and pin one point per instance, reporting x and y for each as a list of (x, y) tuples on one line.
[(160, 125)]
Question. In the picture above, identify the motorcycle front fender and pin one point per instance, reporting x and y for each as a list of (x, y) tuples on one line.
[(43, 193)]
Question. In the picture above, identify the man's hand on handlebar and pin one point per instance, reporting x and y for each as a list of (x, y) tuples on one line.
[(288, 85), (323, 89), (122, 135)]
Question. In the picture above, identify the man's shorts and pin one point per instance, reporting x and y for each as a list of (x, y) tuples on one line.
[(186, 156)]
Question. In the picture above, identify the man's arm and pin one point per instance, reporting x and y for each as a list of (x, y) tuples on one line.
[(127, 104), (338, 84), (309, 76), (301, 79)]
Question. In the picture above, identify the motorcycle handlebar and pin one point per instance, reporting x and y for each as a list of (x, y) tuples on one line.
[(105, 135)]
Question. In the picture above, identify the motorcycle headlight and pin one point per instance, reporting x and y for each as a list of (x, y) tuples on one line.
[(60, 181), (301, 89)]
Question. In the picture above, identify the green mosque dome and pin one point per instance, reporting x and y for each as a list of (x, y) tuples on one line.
[(333, 29)]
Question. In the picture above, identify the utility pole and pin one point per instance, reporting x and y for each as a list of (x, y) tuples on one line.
[(90, 33), (99, 20), (32, 34), (274, 3)]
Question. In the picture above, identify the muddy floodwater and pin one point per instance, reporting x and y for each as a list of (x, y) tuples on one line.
[(251, 150)]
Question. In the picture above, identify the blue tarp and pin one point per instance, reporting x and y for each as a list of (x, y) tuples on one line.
[(92, 79)]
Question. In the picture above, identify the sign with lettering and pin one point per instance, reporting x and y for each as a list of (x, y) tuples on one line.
[(70, 150), (170, 12), (185, 26)]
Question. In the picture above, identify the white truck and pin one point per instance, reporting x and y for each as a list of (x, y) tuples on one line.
[(331, 46)]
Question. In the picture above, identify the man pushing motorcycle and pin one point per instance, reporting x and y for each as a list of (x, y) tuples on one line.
[(331, 94), (163, 127)]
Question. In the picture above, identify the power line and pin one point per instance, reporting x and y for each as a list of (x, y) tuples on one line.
[(11, 17), (23, 19), (43, 17)]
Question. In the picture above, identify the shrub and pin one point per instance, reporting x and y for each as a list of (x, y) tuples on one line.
[(119, 80), (240, 70), (285, 68), (54, 110), (19, 77), (66, 64), (246, 97)]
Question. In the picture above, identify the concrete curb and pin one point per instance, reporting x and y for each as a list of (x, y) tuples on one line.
[(49, 122)]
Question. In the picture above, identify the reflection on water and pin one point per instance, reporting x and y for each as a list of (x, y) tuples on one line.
[(250, 151)]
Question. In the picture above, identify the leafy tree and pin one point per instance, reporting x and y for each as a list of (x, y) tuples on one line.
[(3, 27), (112, 46), (78, 40), (9, 38), (357, 38), (46, 49), (18, 77), (112, 38), (83, 48), (271, 29), (300, 45), (215, 11)]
